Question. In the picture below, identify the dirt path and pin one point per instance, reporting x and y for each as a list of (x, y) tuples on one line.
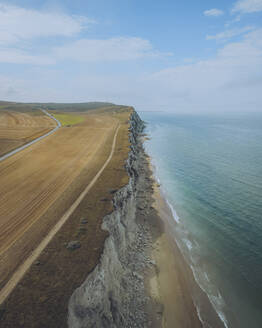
[(19, 273)]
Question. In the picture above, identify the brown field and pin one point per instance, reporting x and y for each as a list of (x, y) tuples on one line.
[(60, 168), (33, 180), (17, 128), (41, 183)]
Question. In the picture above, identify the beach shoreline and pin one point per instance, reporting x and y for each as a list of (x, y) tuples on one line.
[(168, 285), (173, 284)]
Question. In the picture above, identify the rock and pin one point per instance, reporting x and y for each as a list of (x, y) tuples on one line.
[(37, 263), (72, 245), (138, 276), (83, 221), (152, 262)]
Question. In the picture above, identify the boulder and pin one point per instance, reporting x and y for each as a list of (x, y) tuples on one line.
[(72, 245)]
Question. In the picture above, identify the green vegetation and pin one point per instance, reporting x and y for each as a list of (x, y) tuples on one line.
[(34, 108), (75, 107), (20, 107), (69, 119)]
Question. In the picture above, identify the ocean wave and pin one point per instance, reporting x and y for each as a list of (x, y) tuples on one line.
[(192, 253), (193, 258), (218, 303), (214, 296), (188, 243), (174, 213), (163, 191)]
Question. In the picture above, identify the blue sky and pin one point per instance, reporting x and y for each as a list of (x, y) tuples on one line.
[(182, 56)]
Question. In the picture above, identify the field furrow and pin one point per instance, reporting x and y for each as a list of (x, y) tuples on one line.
[(35, 180)]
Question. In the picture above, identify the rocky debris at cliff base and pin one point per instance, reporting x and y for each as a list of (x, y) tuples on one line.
[(73, 245)]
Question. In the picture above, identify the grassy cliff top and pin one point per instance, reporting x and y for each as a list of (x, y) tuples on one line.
[(64, 107)]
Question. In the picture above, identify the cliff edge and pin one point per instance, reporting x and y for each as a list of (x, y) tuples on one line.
[(114, 294)]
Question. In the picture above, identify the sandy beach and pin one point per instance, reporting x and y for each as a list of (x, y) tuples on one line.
[(170, 285)]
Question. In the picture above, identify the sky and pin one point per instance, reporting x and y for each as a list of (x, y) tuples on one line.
[(178, 56)]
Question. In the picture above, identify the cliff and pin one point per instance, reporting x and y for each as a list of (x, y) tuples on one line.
[(114, 294)]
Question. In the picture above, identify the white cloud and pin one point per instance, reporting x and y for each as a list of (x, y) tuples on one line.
[(18, 24), (122, 48), (231, 81), (11, 88), (19, 27), (247, 6), (233, 21), (85, 50), (213, 12), (228, 34), (15, 56)]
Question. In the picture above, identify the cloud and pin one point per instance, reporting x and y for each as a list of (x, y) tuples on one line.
[(114, 49), (228, 34), (18, 24), (231, 81), (21, 28), (247, 6), (85, 50), (16, 56), (233, 21), (11, 88), (214, 12)]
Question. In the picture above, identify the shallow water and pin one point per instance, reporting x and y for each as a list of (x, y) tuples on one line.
[(210, 169)]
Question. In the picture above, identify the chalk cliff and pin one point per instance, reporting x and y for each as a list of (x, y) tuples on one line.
[(114, 295)]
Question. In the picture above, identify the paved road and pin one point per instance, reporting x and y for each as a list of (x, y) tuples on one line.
[(19, 273), (11, 153)]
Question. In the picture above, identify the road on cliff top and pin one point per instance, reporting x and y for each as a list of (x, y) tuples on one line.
[(17, 150)]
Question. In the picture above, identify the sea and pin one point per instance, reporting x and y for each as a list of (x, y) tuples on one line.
[(210, 171)]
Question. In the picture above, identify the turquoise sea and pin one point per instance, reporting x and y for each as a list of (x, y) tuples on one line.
[(210, 171)]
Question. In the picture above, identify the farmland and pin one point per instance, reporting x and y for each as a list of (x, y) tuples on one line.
[(18, 128), (40, 183), (69, 119)]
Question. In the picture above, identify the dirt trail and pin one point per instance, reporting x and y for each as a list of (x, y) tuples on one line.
[(22, 269)]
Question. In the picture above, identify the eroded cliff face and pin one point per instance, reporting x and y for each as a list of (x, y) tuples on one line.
[(113, 295)]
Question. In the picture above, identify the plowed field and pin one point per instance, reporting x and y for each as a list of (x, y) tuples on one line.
[(39, 183), (17, 128)]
